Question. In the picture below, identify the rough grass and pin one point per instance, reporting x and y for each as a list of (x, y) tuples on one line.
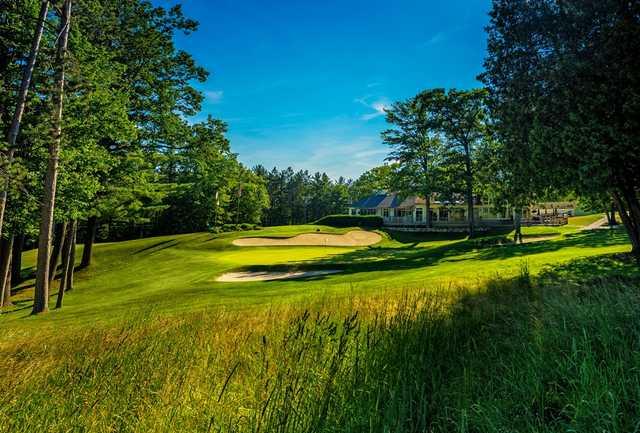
[(560, 352)]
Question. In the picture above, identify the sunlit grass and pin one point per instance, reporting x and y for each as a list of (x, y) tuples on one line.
[(176, 274), (556, 354)]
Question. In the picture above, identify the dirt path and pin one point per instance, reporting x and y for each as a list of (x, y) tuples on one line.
[(354, 238), (239, 277), (595, 224)]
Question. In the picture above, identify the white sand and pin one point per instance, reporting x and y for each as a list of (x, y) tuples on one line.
[(355, 238), (239, 277)]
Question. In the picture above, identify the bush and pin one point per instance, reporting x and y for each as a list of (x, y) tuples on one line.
[(235, 228), (366, 221)]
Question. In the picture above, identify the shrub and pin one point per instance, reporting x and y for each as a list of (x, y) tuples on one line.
[(367, 221)]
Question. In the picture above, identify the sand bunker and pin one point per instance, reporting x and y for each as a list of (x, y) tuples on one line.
[(239, 277), (355, 238)]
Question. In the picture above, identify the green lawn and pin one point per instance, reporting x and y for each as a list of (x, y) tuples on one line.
[(175, 274), (417, 334)]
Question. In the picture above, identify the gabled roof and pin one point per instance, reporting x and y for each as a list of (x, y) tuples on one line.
[(370, 202), (391, 200), (394, 200)]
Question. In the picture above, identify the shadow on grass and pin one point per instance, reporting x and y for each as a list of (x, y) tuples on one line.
[(516, 356), (158, 246), (408, 256)]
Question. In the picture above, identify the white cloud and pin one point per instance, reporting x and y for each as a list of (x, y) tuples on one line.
[(378, 106), (214, 96), (435, 39), (338, 146)]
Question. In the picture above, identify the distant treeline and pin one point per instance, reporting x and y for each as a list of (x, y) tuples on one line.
[(300, 197)]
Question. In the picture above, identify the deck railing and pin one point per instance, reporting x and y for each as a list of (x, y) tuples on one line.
[(480, 222)]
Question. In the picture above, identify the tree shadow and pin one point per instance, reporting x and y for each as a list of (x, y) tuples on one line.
[(382, 258), (162, 244), (521, 348)]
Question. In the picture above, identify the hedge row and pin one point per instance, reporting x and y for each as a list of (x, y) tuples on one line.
[(235, 228), (366, 221)]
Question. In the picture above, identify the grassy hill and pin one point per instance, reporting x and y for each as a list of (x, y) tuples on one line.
[(173, 274), (419, 332)]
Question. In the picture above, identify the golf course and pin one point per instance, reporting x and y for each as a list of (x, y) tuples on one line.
[(314, 349), (175, 274)]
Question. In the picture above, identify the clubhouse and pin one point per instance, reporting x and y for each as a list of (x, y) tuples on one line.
[(397, 210)]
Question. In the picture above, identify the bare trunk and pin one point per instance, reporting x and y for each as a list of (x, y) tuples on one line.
[(6, 300), (469, 181), (16, 259), (428, 206), (5, 265), (630, 223), (58, 241), (72, 256), (517, 225), (66, 263), (609, 220), (613, 221), (22, 100), (41, 298), (92, 225)]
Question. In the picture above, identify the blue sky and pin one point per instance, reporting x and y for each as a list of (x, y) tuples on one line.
[(303, 83)]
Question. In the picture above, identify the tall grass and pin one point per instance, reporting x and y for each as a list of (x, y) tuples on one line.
[(559, 353)]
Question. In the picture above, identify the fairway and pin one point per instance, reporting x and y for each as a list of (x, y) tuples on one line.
[(176, 274)]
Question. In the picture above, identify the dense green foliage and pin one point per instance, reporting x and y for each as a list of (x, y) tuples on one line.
[(564, 84), (365, 221), (299, 197)]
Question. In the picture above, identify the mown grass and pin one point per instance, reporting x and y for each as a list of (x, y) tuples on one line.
[(554, 353), (176, 274)]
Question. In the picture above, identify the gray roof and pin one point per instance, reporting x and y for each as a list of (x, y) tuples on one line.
[(392, 200), (369, 202)]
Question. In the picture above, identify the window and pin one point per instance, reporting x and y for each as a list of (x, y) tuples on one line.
[(443, 214), (368, 211), (354, 211), (419, 214), (385, 212)]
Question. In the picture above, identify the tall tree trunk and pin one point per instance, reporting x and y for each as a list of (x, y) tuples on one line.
[(58, 241), (630, 223), (41, 298), (427, 202), (16, 259), (72, 255), (517, 224), (66, 264), (5, 265), (90, 237), (22, 100), (613, 221), (6, 301), (469, 181)]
